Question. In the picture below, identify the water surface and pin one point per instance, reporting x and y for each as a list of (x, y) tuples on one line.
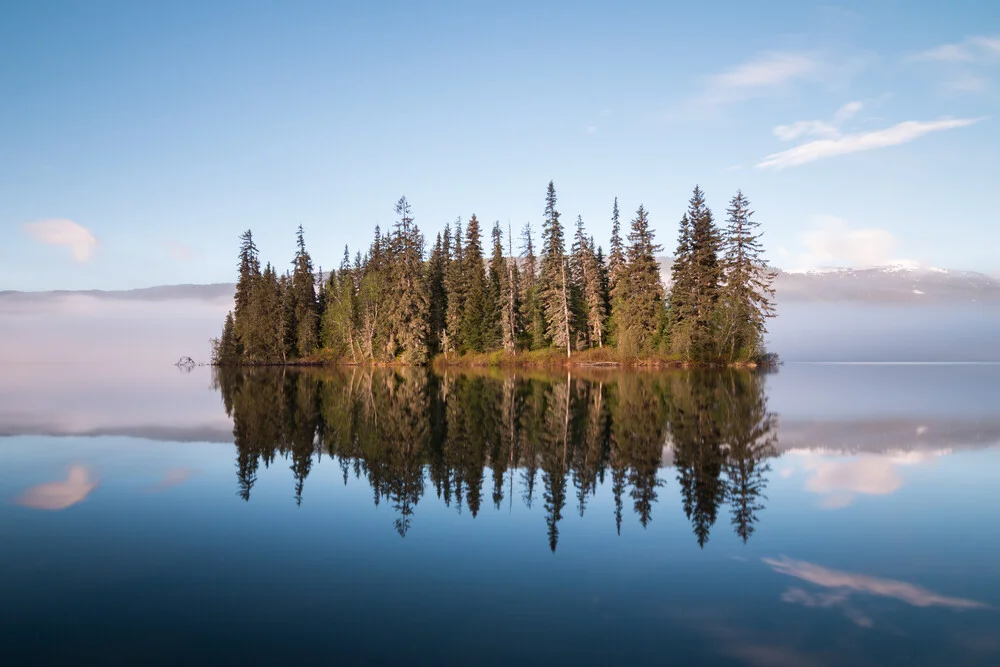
[(823, 515)]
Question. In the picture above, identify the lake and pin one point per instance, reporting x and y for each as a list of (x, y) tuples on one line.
[(823, 514)]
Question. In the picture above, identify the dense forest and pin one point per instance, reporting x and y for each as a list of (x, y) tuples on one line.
[(483, 439), (398, 303)]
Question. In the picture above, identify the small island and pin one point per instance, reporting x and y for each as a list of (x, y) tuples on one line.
[(396, 304)]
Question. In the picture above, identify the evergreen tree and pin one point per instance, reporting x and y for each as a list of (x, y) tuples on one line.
[(681, 311), (409, 307), (639, 297), (697, 276), (748, 297), (303, 296), (531, 308), (554, 286), (475, 311), (590, 279), (616, 253), (245, 327), (225, 350), (339, 318), (496, 279), (508, 300), (456, 289), (268, 308), (437, 266)]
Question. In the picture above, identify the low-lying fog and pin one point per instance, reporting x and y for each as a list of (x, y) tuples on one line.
[(154, 327)]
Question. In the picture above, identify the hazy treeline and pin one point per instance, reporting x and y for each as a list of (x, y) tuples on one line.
[(397, 302), (479, 440)]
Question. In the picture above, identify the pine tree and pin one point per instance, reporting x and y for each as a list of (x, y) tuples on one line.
[(225, 350), (456, 288), (706, 275), (531, 309), (640, 298), (339, 318), (748, 297), (304, 299), (590, 278), (267, 311), (616, 253), (681, 311), (409, 307), (437, 266), (497, 278), (504, 273), (246, 331), (554, 287), (475, 311)]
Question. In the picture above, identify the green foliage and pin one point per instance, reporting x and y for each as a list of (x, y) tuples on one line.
[(394, 305)]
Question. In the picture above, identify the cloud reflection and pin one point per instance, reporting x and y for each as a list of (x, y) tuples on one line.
[(59, 495), (841, 480), (174, 477), (846, 583)]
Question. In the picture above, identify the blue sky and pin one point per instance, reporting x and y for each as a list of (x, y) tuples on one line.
[(139, 139)]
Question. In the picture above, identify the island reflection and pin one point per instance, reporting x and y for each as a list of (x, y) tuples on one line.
[(561, 435)]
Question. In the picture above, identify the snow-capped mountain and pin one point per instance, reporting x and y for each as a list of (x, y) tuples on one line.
[(887, 284)]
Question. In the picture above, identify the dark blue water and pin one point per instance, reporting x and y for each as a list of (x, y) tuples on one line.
[(823, 515)]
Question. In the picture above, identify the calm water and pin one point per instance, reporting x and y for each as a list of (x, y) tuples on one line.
[(823, 515)]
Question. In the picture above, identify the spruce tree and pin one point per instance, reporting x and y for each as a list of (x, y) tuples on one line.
[(245, 326), (437, 265), (456, 288), (304, 300), (706, 275), (640, 299), (497, 279), (474, 313), (409, 307), (339, 316), (554, 286), (616, 253), (531, 309), (588, 276), (748, 297)]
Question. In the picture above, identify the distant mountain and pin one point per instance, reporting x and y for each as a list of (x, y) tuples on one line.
[(890, 284), (208, 292)]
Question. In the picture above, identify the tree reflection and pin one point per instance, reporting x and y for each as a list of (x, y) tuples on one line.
[(402, 429)]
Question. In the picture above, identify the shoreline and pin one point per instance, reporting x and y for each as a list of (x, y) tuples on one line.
[(539, 359)]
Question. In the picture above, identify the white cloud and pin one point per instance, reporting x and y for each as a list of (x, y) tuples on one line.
[(832, 241), (65, 233), (900, 133), (849, 582), (848, 111), (838, 481), (819, 128), (59, 495), (805, 128), (757, 77), (976, 49)]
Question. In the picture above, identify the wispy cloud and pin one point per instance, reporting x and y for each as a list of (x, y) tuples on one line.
[(896, 135), (63, 232), (52, 496), (760, 76), (850, 582), (967, 64), (975, 49)]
